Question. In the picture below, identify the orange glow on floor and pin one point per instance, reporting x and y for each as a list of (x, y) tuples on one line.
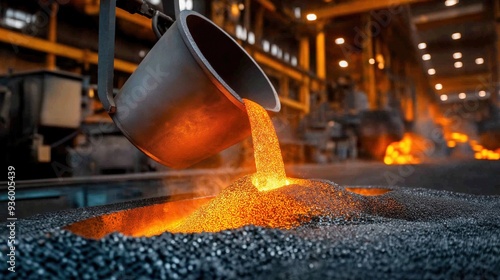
[(268, 159), (400, 152), (451, 144), (485, 154), (459, 137), (481, 153)]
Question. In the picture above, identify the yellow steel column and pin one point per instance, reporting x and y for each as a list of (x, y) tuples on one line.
[(304, 63), (321, 53), (368, 69), (52, 35)]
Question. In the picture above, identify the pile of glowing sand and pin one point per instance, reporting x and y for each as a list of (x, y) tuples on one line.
[(268, 198)]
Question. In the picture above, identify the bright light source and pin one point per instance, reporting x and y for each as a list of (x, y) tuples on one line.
[(17, 19), (251, 38), (241, 32), (479, 60), (431, 71), (457, 55), (422, 46), (456, 36), (343, 64), (426, 56), (449, 3), (266, 46), (371, 61), (241, 6), (154, 2), (482, 93), (296, 12), (185, 5), (293, 61), (438, 86), (339, 41), (311, 17), (274, 49), (443, 97), (462, 95), (91, 93), (458, 64)]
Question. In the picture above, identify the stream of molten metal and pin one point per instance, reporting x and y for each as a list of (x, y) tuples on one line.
[(268, 159)]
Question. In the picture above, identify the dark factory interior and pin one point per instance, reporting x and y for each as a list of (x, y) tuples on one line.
[(250, 139)]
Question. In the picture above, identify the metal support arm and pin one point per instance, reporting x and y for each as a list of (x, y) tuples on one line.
[(105, 67), (107, 26)]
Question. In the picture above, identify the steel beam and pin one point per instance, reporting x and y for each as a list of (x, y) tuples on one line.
[(357, 7), (85, 56)]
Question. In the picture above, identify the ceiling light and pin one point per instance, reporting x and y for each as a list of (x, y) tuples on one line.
[(371, 61), (343, 64), (431, 71), (456, 36), (479, 60), (438, 86), (462, 95), (449, 3), (426, 56), (266, 45), (311, 17), (443, 97), (422, 46), (482, 93), (458, 64), (339, 41), (296, 12), (251, 38), (457, 55), (274, 49)]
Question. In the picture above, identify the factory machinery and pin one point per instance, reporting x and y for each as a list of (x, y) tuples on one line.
[(52, 127)]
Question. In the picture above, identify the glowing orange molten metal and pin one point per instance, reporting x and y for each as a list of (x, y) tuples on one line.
[(401, 152), (253, 199), (482, 153), (268, 159)]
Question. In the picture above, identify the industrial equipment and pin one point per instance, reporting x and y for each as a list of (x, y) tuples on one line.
[(40, 110), (184, 101)]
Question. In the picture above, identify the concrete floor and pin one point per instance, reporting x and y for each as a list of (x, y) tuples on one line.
[(465, 176)]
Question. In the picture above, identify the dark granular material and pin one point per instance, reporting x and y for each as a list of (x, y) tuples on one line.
[(430, 235)]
